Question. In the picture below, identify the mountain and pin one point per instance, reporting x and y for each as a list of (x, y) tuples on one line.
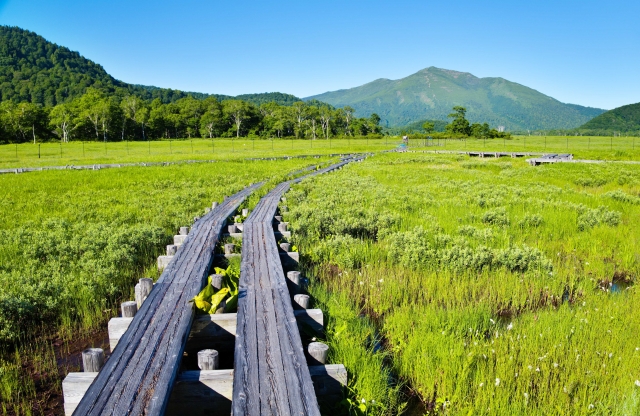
[(35, 70), (432, 92), (625, 119)]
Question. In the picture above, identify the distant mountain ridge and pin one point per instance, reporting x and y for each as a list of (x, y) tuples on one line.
[(432, 92), (35, 70), (625, 119)]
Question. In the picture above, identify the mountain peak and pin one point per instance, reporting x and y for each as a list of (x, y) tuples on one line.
[(431, 93)]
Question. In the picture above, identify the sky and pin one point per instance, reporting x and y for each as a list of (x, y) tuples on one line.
[(583, 52)]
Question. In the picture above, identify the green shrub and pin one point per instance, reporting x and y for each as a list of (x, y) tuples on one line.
[(497, 217), (590, 218)]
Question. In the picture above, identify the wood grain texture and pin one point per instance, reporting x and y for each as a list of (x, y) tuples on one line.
[(138, 377), (209, 392), (271, 376), (218, 331)]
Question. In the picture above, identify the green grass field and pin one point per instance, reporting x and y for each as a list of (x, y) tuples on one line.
[(583, 147), (74, 243), (486, 286), (87, 153), (450, 284)]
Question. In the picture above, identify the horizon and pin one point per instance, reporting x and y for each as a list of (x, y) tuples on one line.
[(238, 49)]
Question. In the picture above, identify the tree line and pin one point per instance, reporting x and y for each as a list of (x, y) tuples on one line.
[(460, 127), (101, 117)]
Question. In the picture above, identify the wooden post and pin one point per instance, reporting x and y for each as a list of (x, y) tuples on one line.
[(143, 288), (285, 246), (278, 218), (216, 281), (184, 230), (318, 352), (92, 360), (284, 208), (129, 309), (233, 229), (245, 212), (228, 248), (282, 227), (208, 360), (172, 249), (302, 301), (294, 282), (214, 204), (207, 210)]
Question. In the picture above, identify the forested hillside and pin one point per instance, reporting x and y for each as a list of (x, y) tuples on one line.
[(625, 119), (432, 92), (37, 71), (48, 92)]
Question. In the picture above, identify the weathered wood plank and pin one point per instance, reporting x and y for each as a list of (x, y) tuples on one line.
[(271, 373), (219, 331), (207, 393), (139, 375)]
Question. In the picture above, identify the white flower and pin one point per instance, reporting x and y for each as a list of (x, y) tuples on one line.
[(637, 383), (381, 280), (363, 401), (492, 321), (510, 326), (555, 365), (481, 384), (538, 369), (497, 382), (361, 283), (526, 396), (591, 406)]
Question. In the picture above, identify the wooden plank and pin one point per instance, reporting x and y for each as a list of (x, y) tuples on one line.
[(271, 374), (207, 393), (139, 375)]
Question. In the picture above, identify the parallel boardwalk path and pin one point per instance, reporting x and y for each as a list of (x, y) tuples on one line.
[(271, 375), (138, 377)]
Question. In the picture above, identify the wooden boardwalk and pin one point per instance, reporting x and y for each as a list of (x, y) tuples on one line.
[(138, 377), (271, 374)]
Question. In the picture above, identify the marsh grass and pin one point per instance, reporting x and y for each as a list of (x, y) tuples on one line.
[(88, 153), (74, 243), (491, 284)]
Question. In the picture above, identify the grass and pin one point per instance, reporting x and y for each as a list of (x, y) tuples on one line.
[(583, 147), (74, 243), (493, 286), (88, 153)]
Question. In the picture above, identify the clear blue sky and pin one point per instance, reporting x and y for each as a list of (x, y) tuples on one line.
[(584, 52)]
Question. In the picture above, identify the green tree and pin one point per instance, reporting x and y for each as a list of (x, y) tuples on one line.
[(212, 120), (325, 115), (30, 118), (63, 119), (347, 113), (459, 124), (428, 127), (374, 123), (300, 113), (94, 108), (237, 111), (480, 131)]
